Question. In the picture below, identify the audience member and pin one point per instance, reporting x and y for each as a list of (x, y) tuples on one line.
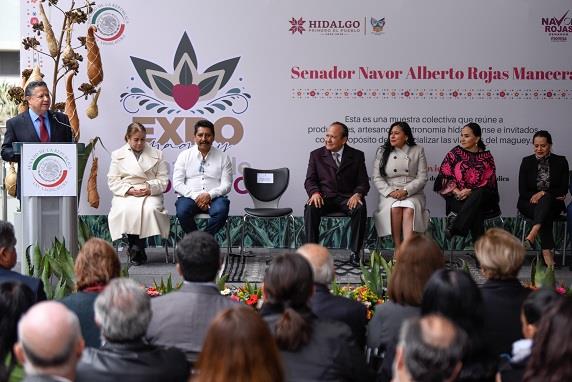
[(533, 308), (312, 349), (95, 265), (15, 299), (501, 255), (456, 296), (49, 343), (181, 318), (418, 257), (552, 349), (8, 261), (123, 312), (239, 347), (430, 349), (324, 304)]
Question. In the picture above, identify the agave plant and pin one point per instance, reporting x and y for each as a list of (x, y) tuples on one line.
[(377, 275), (541, 275), (55, 268)]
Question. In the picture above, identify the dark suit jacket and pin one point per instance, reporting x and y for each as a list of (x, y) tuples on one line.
[(325, 177), (35, 284), (331, 355), (502, 300), (527, 179), (181, 319), (21, 129), (81, 303), (327, 306), (132, 362)]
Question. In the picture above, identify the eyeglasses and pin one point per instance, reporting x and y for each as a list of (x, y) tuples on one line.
[(202, 167)]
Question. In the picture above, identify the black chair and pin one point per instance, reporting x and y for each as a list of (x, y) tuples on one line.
[(265, 187)]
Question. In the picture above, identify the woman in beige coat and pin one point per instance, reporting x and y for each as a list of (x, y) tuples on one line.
[(137, 177), (400, 174)]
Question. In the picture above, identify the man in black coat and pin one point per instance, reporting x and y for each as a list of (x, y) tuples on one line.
[(36, 125), (337, 181), (324, 304), (123, 312), (8, 261)]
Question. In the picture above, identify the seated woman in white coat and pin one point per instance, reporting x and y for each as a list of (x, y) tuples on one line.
[(400, 174), (137, 177)]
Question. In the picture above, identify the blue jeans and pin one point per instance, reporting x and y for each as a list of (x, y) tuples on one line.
[(187, 209)]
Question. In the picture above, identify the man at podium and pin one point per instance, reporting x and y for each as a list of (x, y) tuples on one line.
[(37, 124)]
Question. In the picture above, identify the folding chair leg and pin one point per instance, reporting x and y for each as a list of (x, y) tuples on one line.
[(228, 240), (244, 219)]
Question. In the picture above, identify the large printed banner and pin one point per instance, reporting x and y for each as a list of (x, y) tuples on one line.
[(272, 75)]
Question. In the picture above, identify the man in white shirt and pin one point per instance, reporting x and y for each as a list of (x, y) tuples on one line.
[(202, 177)]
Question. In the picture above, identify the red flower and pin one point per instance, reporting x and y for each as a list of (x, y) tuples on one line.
[(252, 300), (234, 298)]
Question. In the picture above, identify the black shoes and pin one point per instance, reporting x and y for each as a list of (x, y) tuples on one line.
[(355, 259), (449, 228), (137, 256)]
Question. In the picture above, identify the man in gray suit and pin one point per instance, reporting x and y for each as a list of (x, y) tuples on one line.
[(37, 124), (181, 318)]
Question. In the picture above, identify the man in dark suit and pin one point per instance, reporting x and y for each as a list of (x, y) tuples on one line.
[(8, 261), (38, 124), (181, 319), (324, 304), (49, 343), (337, 181)]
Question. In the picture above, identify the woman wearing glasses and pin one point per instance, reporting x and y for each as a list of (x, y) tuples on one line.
[(137, 177)]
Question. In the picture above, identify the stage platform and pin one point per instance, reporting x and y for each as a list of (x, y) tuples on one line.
[(252, 268)]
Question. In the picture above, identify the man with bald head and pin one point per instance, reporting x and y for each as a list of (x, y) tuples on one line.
[(337, 182), (430, 349), (324, 304), (49, 343)]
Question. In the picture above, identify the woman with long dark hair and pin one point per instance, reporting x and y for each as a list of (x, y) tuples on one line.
[(542, 188), (552, 349), (312, 349), (455, 295), (400, 174), (15, 299), (467, 180)]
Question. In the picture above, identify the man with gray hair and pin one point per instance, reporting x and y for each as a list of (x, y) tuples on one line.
[(8, 261), (50, 343), (324, 304), (430, 349), (123, 312)]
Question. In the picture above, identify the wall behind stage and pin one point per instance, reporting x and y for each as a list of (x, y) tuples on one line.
[(273, 75)]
